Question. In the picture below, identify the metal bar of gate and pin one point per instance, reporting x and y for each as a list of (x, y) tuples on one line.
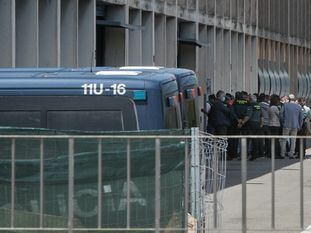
[(70, 184), (215, 172), (273, 183), (301, 184), (41, 182), (186, 181), (13, 182), (100, 183), (157, 184), (244, 179), (128, 181)]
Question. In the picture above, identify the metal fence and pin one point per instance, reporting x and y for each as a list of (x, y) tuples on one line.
[(183, 183), (244, 219)]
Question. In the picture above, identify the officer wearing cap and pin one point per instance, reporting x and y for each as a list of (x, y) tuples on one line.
[(243, 111)]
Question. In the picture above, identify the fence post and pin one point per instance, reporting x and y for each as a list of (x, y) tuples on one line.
[(301, 184), (186, 181), (100, 183), (215, 172), (128, 181), (13, 155), (273, 183), (41, 181), (70, 184), (157, 184), (244, 180)]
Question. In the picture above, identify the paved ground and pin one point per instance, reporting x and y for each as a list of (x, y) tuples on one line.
[(259, 196)]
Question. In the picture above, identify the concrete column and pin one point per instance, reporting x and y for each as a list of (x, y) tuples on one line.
[(234, 61), (69, 33), (233, 10), (86, 33), (227, 61), (171, 42), (148, 38), (240, 11), (254, 64), (49, 33), (210, 60), (211, 6), (219, 75), (27, 29), (241, 62), (248, 59), (135, 38), (202, 69), (7, 33), (247, 11), (160, 40), (203, 6)]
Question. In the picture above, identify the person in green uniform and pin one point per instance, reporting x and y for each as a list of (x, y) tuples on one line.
[(255, 124)]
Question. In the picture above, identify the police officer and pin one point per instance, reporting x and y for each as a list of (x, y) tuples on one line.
[(243, 112), (254, 126)]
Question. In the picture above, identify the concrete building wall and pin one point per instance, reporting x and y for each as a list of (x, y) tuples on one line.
[(227, 42)]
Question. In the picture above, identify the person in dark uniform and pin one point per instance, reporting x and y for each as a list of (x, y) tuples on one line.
[(243, 111), (254, 126), (219, 116)]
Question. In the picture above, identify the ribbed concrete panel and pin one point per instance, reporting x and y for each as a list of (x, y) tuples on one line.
[(261, 12), (171, 42), (69, 33), (283, 17), (220, 8), (227, 61), (27, 29), (49, 33), (135, 38), (211, 7), (148, 38), (202, 6), (253, 20), (192, 4), (234, 61), (182, 3), (7, 33), (202, 71), (160, 40), (86, 32), (210, 59), (219, 75), (248, 60), (241, 62), (254, 65), (233, 10), (247, 10), (240, 7)]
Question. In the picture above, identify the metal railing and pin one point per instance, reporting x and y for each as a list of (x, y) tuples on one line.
[(244, 168), (197, 179)]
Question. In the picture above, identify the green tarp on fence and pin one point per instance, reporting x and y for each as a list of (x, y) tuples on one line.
[(114, 185)]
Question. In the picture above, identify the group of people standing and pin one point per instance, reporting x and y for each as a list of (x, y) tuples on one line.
[(247, 114)]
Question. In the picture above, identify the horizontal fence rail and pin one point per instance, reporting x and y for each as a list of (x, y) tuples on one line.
[(204, 172)]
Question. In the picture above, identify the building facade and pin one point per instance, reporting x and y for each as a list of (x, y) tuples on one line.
[(252, 45)]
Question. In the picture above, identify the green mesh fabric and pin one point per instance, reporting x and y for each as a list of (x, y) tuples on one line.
[(114, 176)]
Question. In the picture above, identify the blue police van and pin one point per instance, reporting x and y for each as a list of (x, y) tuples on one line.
[(100, 99), (190, 93)]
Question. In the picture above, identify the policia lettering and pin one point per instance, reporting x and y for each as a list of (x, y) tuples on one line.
[(98, 89), (83, 194)]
